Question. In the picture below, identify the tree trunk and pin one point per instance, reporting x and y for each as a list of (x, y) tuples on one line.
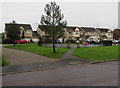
[(63, 40), (54, 50), (13, 44), (46, 41), (69, 45)]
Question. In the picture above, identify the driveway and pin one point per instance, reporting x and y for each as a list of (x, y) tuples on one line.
[(23, 57), (101, 74)]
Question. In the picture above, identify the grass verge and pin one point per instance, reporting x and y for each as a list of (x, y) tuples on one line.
[(97, 53)]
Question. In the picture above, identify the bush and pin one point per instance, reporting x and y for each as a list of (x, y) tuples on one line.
[(3, 61), (107, 43), (31, 41), (71, 41), (6, 41)]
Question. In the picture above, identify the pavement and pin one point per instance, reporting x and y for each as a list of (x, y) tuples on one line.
[(68, 55), (100, 74), (22, 57)]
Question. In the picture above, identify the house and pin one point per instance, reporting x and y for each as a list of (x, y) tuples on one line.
[(40, 32), (116, 34), (35, 36), (81, 33), (25, 30), (68, 33), (72, 33), (105, 33), (90, 34)]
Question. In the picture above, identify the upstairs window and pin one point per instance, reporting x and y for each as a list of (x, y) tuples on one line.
[(69, 32), (109, 33), (77, 33), (28, 31)]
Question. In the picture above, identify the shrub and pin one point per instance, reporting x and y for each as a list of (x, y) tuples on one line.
[(3, 61), (6, 41)]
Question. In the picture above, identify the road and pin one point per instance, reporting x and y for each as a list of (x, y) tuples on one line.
[(100, 74)]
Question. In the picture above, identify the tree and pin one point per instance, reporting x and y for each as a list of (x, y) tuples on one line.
[(13, 32), (52, 23)]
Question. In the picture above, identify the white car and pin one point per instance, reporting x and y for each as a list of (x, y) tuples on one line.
[(115, 41)]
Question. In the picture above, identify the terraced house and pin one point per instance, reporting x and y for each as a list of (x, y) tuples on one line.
[(25, 30), (70, 32), (105, 33), (90, 34), (86, 33)]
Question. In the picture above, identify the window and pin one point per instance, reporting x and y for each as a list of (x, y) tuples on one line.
[(28, 31), (109, 33), (70, 32), (63, 30), (76, 32)]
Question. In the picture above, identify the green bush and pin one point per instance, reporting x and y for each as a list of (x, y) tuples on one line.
[(6, 41), (70, 41), (3, 61)]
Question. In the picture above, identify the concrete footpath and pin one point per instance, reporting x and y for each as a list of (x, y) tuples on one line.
[(68, 55)]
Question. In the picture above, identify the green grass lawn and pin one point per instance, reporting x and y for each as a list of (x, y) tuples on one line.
[(3, 61), (45, 51), (97, 53)]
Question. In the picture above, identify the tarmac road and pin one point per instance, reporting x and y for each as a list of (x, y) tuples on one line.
[(100, 74)]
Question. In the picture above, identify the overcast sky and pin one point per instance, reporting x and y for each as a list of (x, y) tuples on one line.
[(97, 14)]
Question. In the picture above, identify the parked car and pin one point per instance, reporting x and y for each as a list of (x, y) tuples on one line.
[(115, 41), (21, 41), (107, 43), (58, 41), (118, 42)]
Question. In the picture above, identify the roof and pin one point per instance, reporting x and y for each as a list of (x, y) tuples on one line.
[(103, 35), (88, 29), (117, 30), (44, 26), (25, 26), (35, 34), (41, 26), (103, 29), (70, 28)]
